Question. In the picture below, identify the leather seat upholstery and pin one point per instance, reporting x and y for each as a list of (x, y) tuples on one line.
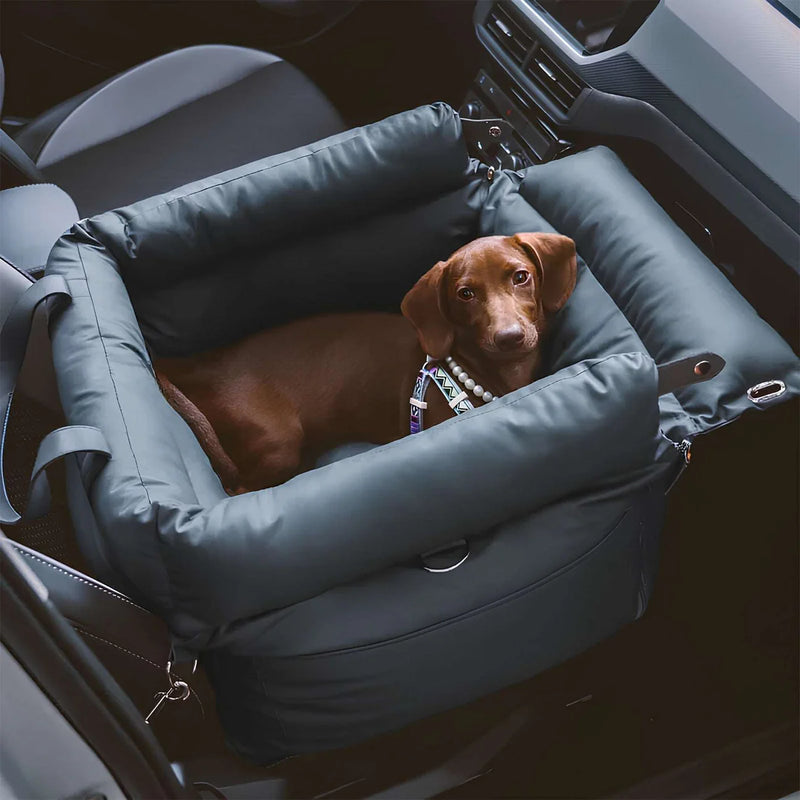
[(176, 118)]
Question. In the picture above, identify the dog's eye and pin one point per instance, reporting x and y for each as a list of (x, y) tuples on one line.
[(465, 293), (520, 277)]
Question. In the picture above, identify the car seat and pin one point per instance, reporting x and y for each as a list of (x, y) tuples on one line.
[(309, 603), (178, 117)]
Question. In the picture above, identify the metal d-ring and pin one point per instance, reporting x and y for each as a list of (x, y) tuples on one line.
[(449, 567), (766, 391)]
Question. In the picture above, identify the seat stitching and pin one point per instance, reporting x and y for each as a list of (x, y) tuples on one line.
[(111, 375), (168, 581), (160, 668), (119, 647), (89, 583)]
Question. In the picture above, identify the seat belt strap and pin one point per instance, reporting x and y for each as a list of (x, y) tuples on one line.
[(88, 444)]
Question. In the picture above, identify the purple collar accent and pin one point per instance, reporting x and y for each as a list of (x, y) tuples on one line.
[(452, 391)]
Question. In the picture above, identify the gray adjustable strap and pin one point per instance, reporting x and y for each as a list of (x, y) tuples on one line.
[(88, 444), (689, 370)]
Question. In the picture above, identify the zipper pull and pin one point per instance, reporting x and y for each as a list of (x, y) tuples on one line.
[(685, 449)]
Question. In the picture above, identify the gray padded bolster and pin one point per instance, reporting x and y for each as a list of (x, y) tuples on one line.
[(373, 510), (676, 299), (203, 559), (406, 158), (362, 268), (218, 562)]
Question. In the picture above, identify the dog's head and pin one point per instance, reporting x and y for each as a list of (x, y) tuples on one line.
[(493, 295)]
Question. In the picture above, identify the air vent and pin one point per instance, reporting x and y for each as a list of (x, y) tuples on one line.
[(557, 82), (511, 36)]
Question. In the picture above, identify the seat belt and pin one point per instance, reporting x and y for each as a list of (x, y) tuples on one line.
[(85, 444)]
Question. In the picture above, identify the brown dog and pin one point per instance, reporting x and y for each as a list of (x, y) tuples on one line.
[(266, 407)]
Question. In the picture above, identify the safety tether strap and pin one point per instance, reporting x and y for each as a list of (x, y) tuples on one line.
[(87, 444)]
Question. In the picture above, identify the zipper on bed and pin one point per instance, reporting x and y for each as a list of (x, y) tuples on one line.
[(684, 447)]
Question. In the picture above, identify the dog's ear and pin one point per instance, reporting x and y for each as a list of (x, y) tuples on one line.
[(557, 261), (423, 307)]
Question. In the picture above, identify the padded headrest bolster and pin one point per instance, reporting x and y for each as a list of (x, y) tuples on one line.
[(676, 299), (367, 265), (590, 325), (402, 159), (272, 548)]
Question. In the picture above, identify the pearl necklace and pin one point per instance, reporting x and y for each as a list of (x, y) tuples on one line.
[(461, 374)]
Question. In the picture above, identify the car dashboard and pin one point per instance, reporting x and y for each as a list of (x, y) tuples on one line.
[(651, 72)]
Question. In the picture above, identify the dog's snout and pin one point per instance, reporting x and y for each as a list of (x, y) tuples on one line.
[(509, 338)]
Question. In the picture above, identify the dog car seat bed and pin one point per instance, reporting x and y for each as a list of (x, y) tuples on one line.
[(307, 601)]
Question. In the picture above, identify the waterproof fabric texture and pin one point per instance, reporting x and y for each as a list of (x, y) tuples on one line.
[(317, 623)]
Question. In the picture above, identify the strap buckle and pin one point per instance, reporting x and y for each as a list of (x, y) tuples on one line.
[(178, 691)]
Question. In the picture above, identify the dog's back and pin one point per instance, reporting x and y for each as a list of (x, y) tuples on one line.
[(300, 388)]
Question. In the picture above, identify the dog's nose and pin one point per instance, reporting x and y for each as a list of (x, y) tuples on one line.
[(509, 338)]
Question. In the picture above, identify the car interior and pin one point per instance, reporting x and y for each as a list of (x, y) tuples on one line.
[(156, 141)]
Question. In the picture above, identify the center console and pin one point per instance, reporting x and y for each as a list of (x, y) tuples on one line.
[(534, 139), (535, 99)]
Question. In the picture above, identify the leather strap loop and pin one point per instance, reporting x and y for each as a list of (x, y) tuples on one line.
[(14, 337), (687, 371), (86, 444)]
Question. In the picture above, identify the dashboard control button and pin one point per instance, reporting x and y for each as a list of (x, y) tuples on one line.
[(472, 110)]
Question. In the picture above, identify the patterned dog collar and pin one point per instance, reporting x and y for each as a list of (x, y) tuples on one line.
[(457, 398)]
